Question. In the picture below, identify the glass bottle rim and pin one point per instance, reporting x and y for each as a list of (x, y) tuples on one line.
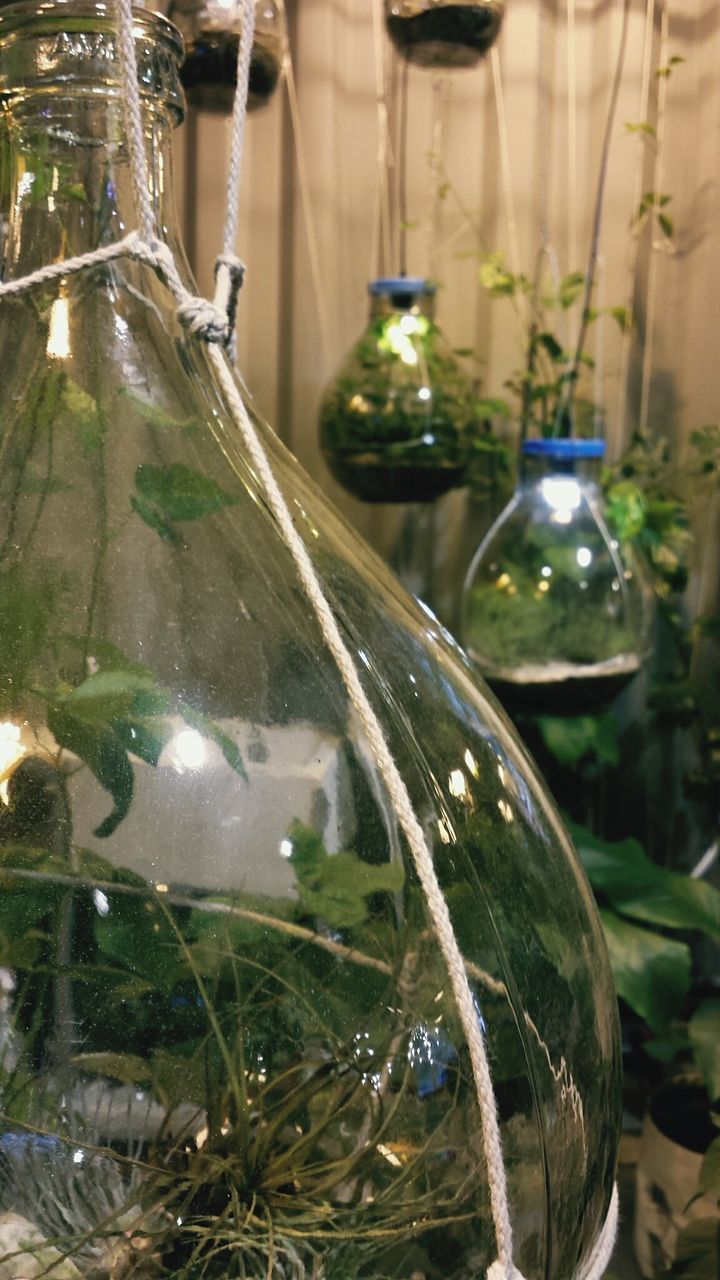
[(42, 16)]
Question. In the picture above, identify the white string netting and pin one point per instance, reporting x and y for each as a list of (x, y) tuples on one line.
[(214, 322)]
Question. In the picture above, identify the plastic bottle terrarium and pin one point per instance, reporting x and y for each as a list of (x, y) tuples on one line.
[(435, 33), (228, 1041), (553, 614), (396, 423), (211, 31)]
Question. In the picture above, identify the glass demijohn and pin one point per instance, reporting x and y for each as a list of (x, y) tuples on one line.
[(228, 1046), (436, 33), (211, 30), (553, 614), (396, 423)]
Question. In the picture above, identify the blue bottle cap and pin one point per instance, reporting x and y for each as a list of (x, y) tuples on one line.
[(564, 449), (401, 284)]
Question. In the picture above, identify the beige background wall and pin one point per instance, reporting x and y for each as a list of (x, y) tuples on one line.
[(296, 323)]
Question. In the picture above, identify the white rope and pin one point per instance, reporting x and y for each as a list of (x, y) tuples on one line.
[(133, 120), (598, 1260), (206, 320)]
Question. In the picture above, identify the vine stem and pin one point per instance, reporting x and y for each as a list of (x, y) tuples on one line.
[(651, 303), (565, 400)]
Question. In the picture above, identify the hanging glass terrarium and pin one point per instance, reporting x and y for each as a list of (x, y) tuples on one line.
[(435, 33), (396, 423), (211, 31), (553, 615), (228, 1042)]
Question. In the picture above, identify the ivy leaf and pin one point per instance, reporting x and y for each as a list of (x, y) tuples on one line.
[(652, 973), (88, 422), (125, 1067), (552, 346), (666, 225), (704, 1030), (495, 277), (642, 126), (638, 888), (108, 695), (105, 755), (335, 886), (572, 738), (142, 739), (167, 494)]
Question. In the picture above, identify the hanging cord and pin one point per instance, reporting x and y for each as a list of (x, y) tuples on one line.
[(402, 171), (651, 303), (634, 246), (567, 397), (207, 321), (380, 253)]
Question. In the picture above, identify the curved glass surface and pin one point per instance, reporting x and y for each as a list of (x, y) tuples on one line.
[(211, 30), (227, 1041)]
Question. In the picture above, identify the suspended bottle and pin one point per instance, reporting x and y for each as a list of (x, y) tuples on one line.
[(211, 30), (435, 33), (396, 423), (554, 615), (231, 1047)]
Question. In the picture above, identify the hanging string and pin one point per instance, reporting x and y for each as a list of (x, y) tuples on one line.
[(209, 325), (599, 370), (402, 171), (571, 137), (506, 176), (432, 200), (634, 246), (306, 204), (651, 300), (381, 251)]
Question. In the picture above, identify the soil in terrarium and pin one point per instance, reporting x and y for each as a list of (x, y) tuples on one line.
[(209, 74), (562, 688), (371, 479), (449, 35)]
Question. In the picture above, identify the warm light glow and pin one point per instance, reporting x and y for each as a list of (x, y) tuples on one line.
[(546, 571), (562, 494), (189, 749), (505, 810), (543, 586), (584, 557), (11, 751), (471, 763), (286, 848), (457, 784), (424, 393), (58, 343), (503, 581)]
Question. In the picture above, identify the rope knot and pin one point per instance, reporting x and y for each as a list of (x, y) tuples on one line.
[(203, 319), (229, 278)]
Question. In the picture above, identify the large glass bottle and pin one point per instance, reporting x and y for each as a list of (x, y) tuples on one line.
[(443, 33), (211, 30), (227, 1041), (397, 421), (555, 617)]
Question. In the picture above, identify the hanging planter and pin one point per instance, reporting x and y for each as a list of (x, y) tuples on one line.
[(396, 423), (211, 31), (278, 883), (433, 33), (552, 614)]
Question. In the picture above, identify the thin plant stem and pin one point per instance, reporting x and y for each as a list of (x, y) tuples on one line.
[(402, 171), (651, 302)]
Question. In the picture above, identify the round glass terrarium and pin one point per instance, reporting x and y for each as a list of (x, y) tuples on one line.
[(396, 422), (552, 613), (439, 33), (228, 1042), (211, 30)]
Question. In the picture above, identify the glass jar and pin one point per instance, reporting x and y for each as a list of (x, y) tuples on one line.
[(211, 31), (396, 423), (554, 615), (228, 1044), (435, 33)]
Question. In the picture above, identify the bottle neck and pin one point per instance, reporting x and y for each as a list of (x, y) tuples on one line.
[(68, 180)]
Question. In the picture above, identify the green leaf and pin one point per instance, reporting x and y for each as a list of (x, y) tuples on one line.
[(210, 729), (144, 739), (108, 695), (666, 225), (571, 286), (125, 1067), (625, 509), (623, 316), (697, 1251), (105, 755), (704, 1030), (552, 346), (652, 973), (572, 738), (335, 886), (638, 888), (156, 416), (495, 277), (167, 494), (88, 423), (642, 126), (710, 1172)]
